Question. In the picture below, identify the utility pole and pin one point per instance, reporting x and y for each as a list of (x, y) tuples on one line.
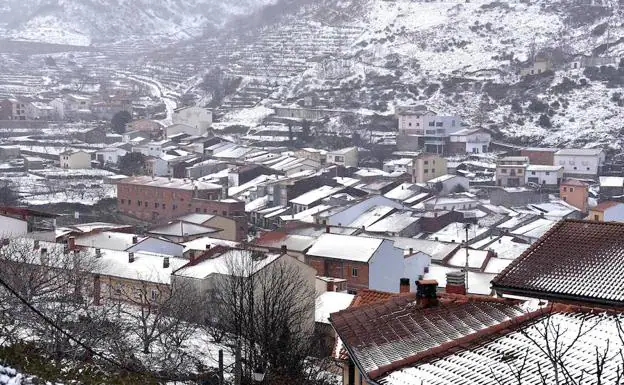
[(237, 364), (466, 227), (221, 382)]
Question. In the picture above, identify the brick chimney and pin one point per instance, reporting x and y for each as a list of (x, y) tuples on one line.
[(166, 263), (327, 229), (404, 285), (71, 243), (283, 249), (130, 257), (331, 286), (135, 239), (456, 282), (192, 255), (426, 292)]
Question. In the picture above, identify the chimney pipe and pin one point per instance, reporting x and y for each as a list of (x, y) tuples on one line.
[(327, 229), (207, 247), (331, 286), (411, 251), (36, 244), (130, 257), (426, 292), (98, 253), (44, 251), (135, 240), (71, 242), (166, 262), (404, 285), (283, 249)]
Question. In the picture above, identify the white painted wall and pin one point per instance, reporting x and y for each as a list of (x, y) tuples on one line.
[(414, 267), (614, 214), (386, 268), (12, 227), (544, 177), (419, 124), (347, 159), (578, 164), (77, 160)]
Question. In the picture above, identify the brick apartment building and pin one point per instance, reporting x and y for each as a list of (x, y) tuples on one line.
[(158, 199)]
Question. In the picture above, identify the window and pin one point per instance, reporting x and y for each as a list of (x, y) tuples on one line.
[(565, 189), (409, 124), (175, 207), (520, 171), (426, 162), (354, 272), (547, 173), (426, 171), (118, 289), (154, 294), (224, 213), (532, 172), (139, 203), (156, 205), (164, 206), (129, 202), (587, 168), (146, 203), (439, 124), (123, 201), (431, 124), (197, 209), (571, 189), (503, 170), (575, 168), (596, 218), (205, 210), (432, 170)]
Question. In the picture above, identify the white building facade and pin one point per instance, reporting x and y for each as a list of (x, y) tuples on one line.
[(580, 162), (544, 175)]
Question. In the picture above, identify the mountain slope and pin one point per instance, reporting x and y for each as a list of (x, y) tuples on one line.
[(83, 22), (465, 58)]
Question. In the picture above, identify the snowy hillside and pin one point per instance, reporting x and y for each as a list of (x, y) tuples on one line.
[(465, 57), (81, 22)]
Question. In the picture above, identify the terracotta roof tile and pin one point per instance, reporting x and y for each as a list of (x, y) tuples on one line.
[(385, 336), (575, 260)]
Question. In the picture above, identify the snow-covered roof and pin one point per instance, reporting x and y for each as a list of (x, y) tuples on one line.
[(330, 302), (182, 184), (316, 195), (182, 229), (393, 223), (107, 240), (505, 247), (579, 152), (543, 168), (456, 233), (345, 247), (611, 181), (403, 191), (476, 258), (202, 243), (232, 262), (535, 229), (196, 218)]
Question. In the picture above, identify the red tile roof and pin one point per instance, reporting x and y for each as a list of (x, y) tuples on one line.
[(386, 336), (577, 261)]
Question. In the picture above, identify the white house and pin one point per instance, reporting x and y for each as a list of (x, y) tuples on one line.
[(462, 201), (449, 184), (580, 162), (12, 227), (536, 67), (200, 119), (348, 214), (156, 166), (152, 148), (430, 130), (38, 111), (403, 165), (347, 157), (544, 175), (365, 262), (313, 197), (468, 140), (75, 159), (110, 155)]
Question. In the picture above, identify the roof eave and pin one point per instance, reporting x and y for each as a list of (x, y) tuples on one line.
[(555, 297)]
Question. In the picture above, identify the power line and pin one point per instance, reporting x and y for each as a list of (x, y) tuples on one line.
[(74, 339)]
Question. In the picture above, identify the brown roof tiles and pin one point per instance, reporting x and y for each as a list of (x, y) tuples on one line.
[(577, 261)]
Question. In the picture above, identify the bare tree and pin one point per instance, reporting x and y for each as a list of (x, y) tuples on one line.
[(266, 303)]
